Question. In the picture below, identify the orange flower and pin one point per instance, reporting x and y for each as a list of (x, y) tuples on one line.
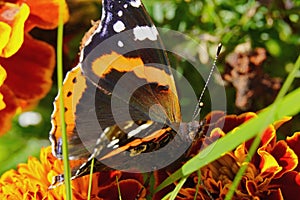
[(273, 172), (32, 180), (26, 64)]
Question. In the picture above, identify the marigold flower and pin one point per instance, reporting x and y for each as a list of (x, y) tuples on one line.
[(273, 172), (26, 64), (32, 180)]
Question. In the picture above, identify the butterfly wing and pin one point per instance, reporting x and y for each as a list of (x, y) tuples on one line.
[(123, 75), (126, 44), (75, 85)]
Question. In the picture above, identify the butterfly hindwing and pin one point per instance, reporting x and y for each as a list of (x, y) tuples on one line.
[(74, 88)]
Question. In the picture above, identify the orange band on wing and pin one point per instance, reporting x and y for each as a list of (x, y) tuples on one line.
[(103, 66), (136, 142)]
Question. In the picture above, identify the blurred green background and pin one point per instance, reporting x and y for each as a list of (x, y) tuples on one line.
[(272, 25)]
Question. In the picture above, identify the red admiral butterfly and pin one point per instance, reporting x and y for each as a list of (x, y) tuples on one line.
[(121, 103)]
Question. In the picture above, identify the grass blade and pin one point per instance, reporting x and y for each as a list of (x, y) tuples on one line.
[(172, 195), (119, 190)]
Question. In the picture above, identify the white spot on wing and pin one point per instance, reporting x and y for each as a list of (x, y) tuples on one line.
[(102, 135), (113, 143), (119, 26), (120, 13), (145, 32), (139, 129), (130, 124), (135, 3), (120, 44), (81, 55), (125, 5)]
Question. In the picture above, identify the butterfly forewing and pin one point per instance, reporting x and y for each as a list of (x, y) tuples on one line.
[(127, 42)]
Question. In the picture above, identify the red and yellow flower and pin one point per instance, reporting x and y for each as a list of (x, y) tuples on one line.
[(26, 64), (273, 172)]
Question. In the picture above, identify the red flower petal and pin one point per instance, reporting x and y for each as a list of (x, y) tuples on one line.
[(229, 122), (289, 185), (29, 71), (214, 116), (268, 139), (285, 157), (48, 18), (10, 109), (159, 177), (294, 143), (129, 189)]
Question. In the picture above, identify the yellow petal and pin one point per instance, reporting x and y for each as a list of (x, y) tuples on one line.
[(2, 75), (268, 163), (278, 123), (15, 17), (2, 78), (5, 31), (2, 104)]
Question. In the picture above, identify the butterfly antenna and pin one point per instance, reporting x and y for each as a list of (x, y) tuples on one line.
[(200, 103)]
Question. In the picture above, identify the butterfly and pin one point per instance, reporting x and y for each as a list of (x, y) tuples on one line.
[(121, 103)]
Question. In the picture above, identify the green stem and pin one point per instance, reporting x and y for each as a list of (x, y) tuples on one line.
[(67, 172)]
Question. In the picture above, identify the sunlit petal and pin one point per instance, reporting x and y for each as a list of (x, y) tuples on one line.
[(12, 20), (48, 19)]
